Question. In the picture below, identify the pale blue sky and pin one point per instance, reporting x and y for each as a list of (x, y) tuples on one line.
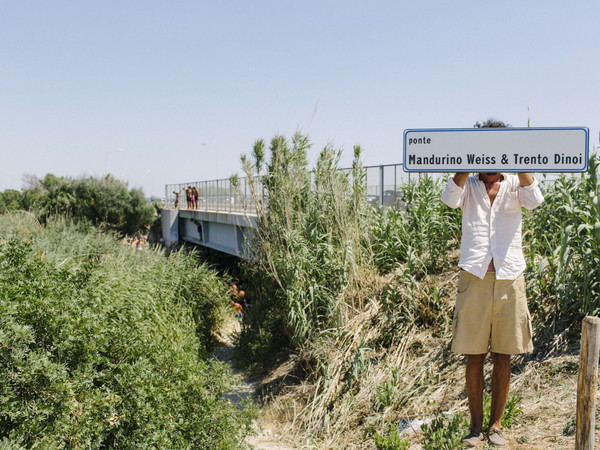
[(185, 87)]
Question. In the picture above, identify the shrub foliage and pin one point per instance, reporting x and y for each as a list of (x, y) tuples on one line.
[(103, 346), (564, 264), (419, 235), (105, 202)]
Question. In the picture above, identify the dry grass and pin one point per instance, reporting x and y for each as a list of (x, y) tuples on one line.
[(341, 407)]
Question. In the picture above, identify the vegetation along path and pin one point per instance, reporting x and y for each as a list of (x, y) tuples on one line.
[(244, 390)]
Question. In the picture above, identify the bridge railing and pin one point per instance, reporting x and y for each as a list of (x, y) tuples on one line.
[(383, 187), (213, 195)]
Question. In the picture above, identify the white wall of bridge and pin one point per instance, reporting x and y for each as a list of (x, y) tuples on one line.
[(226, 232)]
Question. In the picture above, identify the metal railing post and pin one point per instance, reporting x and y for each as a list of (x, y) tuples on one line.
[(381, 189)]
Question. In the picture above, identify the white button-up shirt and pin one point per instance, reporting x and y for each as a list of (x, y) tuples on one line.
[(492, 230)]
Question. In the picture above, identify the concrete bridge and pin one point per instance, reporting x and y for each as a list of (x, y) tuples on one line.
[(223, 216)]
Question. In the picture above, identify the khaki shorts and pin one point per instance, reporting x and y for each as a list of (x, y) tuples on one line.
[(491, 315)]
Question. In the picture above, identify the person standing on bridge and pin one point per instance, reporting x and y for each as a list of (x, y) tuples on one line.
[(196, 195), (192, 197), (491, 311), (188, 196)]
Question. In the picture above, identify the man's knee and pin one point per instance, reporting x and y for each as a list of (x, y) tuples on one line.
[(500, 359), (476, 360)]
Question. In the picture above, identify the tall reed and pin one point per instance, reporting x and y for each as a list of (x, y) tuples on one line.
[(564, 262), (420, 235), (309, 245)]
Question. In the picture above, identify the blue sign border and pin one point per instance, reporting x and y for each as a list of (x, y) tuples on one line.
[(483, 169)]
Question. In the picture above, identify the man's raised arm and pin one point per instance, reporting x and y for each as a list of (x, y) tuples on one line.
[(525, 178), (529, 191), (454, 193), (460, 178)]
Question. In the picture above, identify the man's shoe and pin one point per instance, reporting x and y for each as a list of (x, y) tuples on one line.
[(495, 437), (473, 438)]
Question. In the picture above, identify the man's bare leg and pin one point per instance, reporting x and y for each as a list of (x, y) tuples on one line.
[(500, 387), (474, 378)]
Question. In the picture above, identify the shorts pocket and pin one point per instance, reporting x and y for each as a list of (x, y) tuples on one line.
[(464, 281), (510, 290)]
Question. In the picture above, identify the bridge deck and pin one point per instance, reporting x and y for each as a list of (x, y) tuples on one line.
[(222, 213)]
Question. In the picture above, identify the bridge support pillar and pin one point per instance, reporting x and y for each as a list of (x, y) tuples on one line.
[(170, 226)]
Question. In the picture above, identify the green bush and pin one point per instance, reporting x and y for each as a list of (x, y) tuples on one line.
[(392, 441), (440, 435), (564, 263), (99, 345), (10, 200), (420, 235), (512, 412), (105, 202)]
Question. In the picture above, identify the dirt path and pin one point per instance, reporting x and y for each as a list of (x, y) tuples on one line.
[(245, 388)]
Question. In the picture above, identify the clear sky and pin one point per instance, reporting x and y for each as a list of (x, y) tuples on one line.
[(159, 92)]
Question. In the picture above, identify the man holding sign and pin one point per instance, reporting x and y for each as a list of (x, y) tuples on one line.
[(491, 311)]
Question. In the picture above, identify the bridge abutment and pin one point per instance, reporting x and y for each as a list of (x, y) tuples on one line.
[(226, 232)]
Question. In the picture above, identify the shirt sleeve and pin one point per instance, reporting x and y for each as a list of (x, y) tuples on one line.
[(453, 195), (531, 196)]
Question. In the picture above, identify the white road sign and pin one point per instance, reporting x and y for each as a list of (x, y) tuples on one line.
[(560, 149)]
